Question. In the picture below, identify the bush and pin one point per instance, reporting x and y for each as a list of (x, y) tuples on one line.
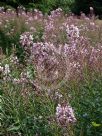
[(43, 5)]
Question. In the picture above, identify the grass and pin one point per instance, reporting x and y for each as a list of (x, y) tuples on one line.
[(26, 108)]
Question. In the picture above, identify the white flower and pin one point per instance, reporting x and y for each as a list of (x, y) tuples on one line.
[(28, 74), (6, 70), (31, 37), (65, 114), (1, 69), (15, 81)]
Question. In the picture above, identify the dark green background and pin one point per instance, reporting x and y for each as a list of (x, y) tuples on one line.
[(47, 5)]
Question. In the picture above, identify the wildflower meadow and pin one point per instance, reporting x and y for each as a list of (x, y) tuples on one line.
[(50, 74)]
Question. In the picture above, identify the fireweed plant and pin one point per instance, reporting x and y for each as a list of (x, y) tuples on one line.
[(50, 74)]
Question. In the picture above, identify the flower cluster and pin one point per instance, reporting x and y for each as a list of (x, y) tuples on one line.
[(80, 42), (26, 39), (49, 25), (65, 114), (37, 14), (56, 13), (44, 57), (6, 69), (1, 69), (5, 72), (14, 60), (1, 9), (72, 31)]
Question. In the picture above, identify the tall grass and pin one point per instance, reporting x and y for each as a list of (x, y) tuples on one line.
[(31, 45)]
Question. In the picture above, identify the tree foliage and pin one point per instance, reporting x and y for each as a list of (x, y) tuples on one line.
[(84, 5), (46, 6)]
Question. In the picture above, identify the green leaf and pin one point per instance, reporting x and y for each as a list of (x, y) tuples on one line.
[(95, 124), (13, 128)]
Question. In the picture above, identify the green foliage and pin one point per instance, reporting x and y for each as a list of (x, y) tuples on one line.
[(44, 5), (98, 7), (33, 113), (8, 40), (85, 6), (88, 104), (66, 5), (23, 111), (27, 118), (81, 6)]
